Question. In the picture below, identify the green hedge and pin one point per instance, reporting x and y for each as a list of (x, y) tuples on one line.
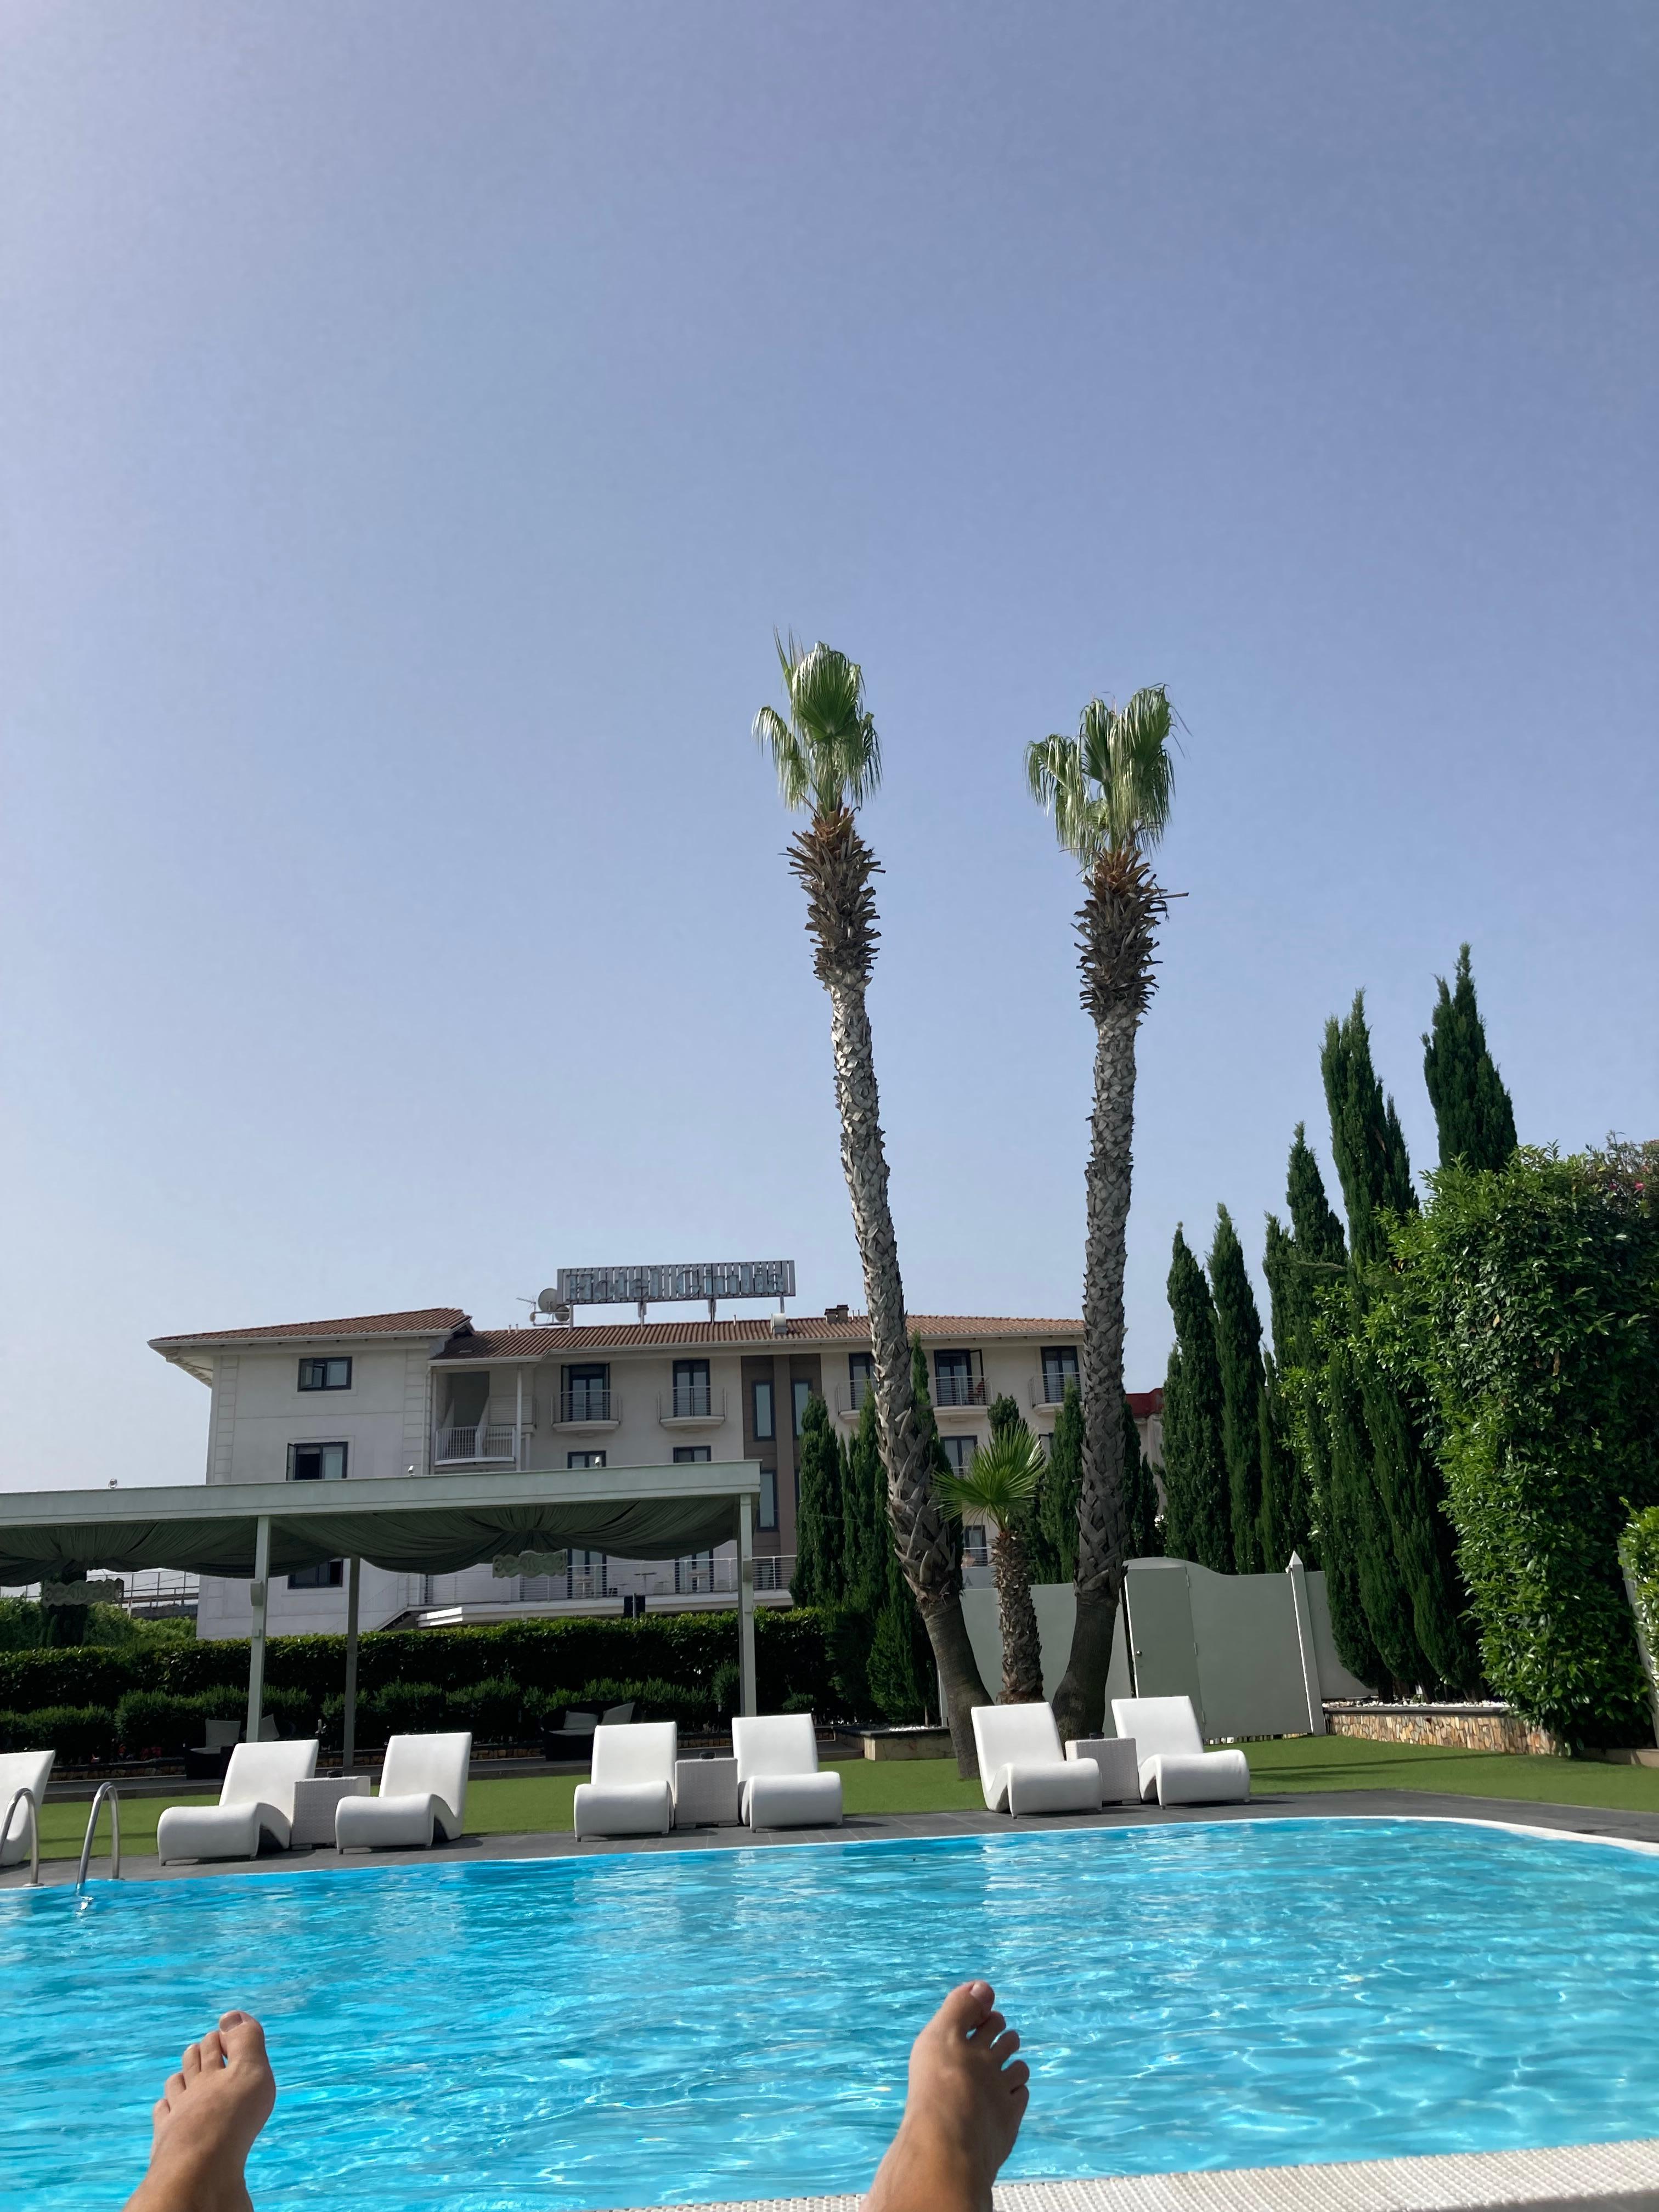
[(506, 1683)]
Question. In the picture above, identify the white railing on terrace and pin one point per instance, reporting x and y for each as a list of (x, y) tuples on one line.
[(1050, 1389), (490, 1441), (959, 1390), (850, 1397)]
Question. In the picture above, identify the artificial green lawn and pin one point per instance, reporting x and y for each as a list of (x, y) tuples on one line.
[(541, 1804)]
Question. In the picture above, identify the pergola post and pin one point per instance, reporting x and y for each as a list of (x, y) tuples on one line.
[(746, 1696), (256, 1642), (348, 1721)]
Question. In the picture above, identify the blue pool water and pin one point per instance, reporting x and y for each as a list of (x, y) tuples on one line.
[(673, 2028)]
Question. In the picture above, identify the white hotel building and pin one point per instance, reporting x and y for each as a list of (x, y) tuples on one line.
[(424, 1392)]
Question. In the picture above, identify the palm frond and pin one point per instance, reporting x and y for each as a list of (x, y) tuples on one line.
[(827, 754), (1000, 1480), (1110, 787)]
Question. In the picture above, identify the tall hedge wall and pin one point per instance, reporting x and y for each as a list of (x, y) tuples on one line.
[(686, 1649)]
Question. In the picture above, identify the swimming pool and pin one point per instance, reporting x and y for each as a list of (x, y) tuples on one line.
[(677, 2027)]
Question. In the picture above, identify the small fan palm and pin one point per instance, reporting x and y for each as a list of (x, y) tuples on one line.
[(828, 758), (1110, 791), (1001, 1481)]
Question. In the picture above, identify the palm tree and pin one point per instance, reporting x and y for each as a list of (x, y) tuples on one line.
[(1110, 790), (828, 759), (1002, 1479)]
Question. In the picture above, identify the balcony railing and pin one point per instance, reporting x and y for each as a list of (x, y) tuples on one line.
[(488, 1443), (959, 1390), (850, 1397), (1049, 1389), (594, 1405), (692, 1401)]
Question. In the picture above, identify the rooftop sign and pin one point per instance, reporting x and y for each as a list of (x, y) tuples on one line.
[(672, 1285)]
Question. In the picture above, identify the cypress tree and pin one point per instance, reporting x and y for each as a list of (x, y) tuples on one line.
[(819, 1577), (1238, 1354), (1061, 1490), (1473, 1111), (1410, 1565), (1194, 1456), (864, 1514), (1144, 1539), (1005, 1415), (1367, 1142)]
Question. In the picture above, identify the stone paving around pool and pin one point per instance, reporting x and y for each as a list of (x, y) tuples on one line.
[(1610, 1823)]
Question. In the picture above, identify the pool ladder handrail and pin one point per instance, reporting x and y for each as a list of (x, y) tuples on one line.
[(28, 1798), (105, 1790)]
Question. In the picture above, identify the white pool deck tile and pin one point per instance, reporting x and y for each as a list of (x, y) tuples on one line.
[(1586, 2178)]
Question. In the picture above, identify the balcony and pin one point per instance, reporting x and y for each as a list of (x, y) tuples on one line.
[(954, 1393), (692, 1406), (1050, 1389), (850, 1397), (491, 1443), (593, 1406)]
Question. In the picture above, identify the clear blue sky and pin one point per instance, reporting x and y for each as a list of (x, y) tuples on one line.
[(414, 420)]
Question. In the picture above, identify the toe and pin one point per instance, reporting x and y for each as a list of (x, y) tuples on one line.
[(212, 2051), (158, 2116), (244, 2040), (190, 2064), (966, 2008), (1005, 2045), (174, 2090), (1016, 2075), (989, 2029)]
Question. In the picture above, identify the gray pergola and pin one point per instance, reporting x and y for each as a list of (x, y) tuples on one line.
[(429, 1524)]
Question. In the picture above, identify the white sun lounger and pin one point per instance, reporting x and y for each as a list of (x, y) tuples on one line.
[(255, 1806), (779, 1784), (22, 1770), (1174, 1767), (1021, 1768), (422, 1797), (632, 1789)]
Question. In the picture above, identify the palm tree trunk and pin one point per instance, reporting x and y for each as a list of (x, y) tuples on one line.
[(925, 1550), (1022, 1648), (1080, 1700)]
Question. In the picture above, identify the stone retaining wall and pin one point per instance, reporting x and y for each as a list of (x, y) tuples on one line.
[(1449, 1728)]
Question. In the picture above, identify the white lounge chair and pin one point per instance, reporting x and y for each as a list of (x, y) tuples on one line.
[(632, 1789), (422, 1797), (1021, 1769), (255, 1806), (21, 1770), (779, 1784), (1174, 1767)]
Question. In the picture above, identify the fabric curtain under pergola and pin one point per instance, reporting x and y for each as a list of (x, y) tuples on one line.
[(424, 1524)]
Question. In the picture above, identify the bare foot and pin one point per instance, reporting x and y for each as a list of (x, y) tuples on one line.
[(208, 2114), (964, 2110)]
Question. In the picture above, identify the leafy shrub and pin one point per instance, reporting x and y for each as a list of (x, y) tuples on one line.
[(78, 1734), (407, 1708), (494, 1711), (727, 1690), (797, 1701), (1529, 1297)]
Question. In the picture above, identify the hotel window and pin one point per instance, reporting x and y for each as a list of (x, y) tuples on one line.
[(584, 1459), (959, 1379), (586, 1395), (768, 1497), (327, 1574), (316, 1462), (862, 1374), (765, 1426), (325, 1374), (690, 1389), (974, 1552), (960, 1450), (800, 1392), (690, 1455), (1059, 1368)]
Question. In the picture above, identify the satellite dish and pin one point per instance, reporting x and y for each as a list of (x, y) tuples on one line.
[(548, 1301)]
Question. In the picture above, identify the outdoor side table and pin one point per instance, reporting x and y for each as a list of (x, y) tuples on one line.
[(314, 1801), (705, 1793), (1120, 1767)]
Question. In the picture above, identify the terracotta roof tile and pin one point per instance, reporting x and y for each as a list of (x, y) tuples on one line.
[(424, 1321)]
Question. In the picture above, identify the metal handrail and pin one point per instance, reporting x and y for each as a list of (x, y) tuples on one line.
[(29, 1799), (105, 1790)]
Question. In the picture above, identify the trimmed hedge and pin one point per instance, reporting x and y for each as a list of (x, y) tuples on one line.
[(506, 1683)]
